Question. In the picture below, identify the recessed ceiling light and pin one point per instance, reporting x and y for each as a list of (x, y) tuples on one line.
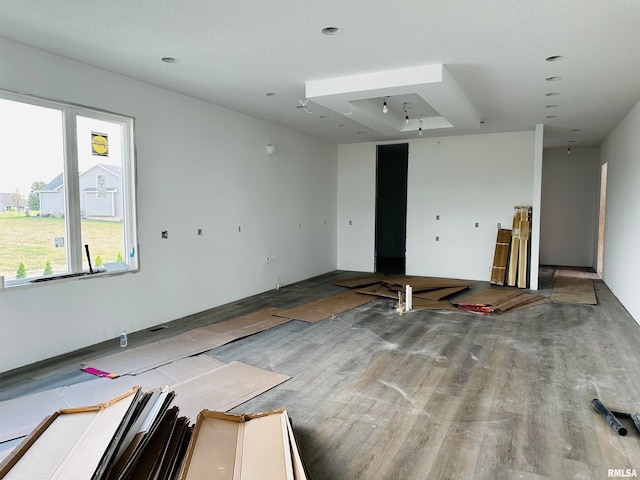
[(331, 30), (551, 116), (554, 58), (553, 79), (552, 94), (482, 122), (170, 60), (272, 94), (576, 129), (551, 106), (324, 116), (359, 133), (342, 125)]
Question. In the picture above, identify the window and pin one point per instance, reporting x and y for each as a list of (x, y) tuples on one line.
[(67, 199)]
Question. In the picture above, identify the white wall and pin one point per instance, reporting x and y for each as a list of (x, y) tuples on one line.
[(199, 166), (465, 179), (570, 199), (621, 150)]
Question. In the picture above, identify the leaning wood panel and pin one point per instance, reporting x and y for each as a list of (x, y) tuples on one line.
[(515, 247), (500, 257)]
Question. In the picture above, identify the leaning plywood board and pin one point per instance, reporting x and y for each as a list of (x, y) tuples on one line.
[(71, 443), (523, 260), (136, 360), (501, 257), (515, 248), (240, 447), (325, 308), (20, 415), (574, 290)]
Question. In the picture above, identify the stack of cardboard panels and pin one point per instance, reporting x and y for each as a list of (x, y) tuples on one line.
[(499, 300), (519, 255), (427, 292), (138, 436), (249, 447)]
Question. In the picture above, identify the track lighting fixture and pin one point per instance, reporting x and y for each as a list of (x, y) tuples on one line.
[(420, 129), (406, 114), (385, 107), (569, 147)]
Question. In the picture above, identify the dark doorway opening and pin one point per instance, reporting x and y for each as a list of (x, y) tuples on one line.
[(391, 208)]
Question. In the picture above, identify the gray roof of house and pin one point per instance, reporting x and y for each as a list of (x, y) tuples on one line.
[(7, 200), (57, 182)]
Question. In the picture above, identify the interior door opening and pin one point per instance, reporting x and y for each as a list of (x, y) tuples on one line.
[(391, 208)]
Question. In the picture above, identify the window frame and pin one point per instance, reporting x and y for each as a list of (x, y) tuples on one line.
[(71, 182)]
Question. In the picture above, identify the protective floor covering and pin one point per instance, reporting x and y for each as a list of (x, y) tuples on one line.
[(199, 382)]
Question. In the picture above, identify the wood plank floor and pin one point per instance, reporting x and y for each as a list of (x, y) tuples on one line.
[(430, 395)]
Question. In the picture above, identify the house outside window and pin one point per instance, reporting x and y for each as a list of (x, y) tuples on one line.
[(67, 198)]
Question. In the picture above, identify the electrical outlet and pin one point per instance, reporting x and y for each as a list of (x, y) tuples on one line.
[(350, 222), (437, 217), (199, 231), (165, 234), (437, 238), (477, 224)]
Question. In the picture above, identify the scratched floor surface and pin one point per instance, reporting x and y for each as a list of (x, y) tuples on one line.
[(433, 395)]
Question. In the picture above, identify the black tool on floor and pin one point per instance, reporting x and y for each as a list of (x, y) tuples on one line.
[(608, 416), (635, 417)]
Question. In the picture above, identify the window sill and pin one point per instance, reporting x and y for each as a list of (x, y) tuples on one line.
[(58, 279)]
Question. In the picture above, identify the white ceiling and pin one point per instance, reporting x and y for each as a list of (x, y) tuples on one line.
[(232, 53)]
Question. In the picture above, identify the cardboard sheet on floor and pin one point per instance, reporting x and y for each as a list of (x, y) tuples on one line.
[(491, 296), (19, 416), (574, 290), (419, 284), (134, 361), (426, 304), (576, 272), (224, 388), (379, 290), (519, 302), (325, 308), (439, 293), (194, 379), (361, 281)]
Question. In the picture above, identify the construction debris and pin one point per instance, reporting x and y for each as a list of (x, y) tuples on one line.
[(137, 435), (497, 300)]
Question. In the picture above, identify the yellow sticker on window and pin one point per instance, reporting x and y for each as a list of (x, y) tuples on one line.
[(99, 144)]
